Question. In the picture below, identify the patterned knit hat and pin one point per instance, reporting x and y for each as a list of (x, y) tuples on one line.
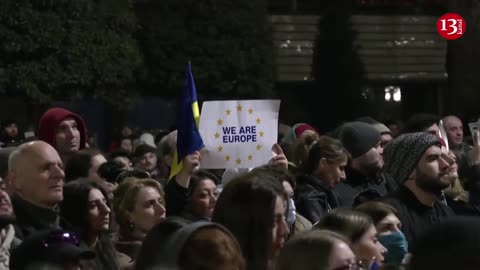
[(402, 154)]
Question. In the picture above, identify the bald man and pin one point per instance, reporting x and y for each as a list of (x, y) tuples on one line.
[(454, 129), (36, 174)]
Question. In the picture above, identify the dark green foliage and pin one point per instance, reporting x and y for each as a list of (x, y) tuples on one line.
[(228, 42), (68, 49)]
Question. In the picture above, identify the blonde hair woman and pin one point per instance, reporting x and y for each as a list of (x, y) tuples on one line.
[(139, 204)]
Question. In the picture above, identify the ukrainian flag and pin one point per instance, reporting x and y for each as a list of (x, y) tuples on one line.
[(188, 137)]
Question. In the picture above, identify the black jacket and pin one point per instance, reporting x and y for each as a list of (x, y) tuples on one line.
[(32, 218), (358, 188), (176, 198), (416, 217), (313, 199)]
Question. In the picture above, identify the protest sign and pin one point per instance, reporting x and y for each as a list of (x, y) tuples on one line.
[(238, 134)]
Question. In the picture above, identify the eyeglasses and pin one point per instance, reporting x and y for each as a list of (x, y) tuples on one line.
[(60, 238)]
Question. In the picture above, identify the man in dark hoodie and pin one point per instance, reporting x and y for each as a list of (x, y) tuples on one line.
[(36, 174), (364, 177), (9, 135), (64, 130)]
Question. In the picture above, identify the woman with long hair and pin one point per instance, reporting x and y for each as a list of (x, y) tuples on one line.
[(253, 208), (85, 210), (84, 164), (139, 204), (358, 227), (202, 199), (317, 250), (389, 230), (323, 168)]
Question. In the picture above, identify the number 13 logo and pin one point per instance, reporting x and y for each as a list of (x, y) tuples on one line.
[(451, 26)]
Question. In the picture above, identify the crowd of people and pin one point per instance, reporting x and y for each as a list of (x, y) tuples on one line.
[(364, 196)]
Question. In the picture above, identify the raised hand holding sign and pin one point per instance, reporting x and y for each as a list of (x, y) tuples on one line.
[(238, 134)]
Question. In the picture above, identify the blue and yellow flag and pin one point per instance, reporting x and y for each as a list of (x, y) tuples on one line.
[(188, 137)]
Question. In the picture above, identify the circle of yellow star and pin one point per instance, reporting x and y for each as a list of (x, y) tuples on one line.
[(239, 108), (259, 147), (250, 157), (250, 111), (228, 112), (261, 133), (227, 158), (219, 148), (239, 161), (259, 120), (217, 135), (220, 122)]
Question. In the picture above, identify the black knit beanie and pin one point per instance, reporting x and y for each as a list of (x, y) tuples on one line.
[(358, 137)]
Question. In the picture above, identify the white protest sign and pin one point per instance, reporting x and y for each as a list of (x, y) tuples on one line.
[(238, 134)]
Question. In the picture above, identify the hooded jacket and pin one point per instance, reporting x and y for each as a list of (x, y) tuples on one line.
[(50, 120)]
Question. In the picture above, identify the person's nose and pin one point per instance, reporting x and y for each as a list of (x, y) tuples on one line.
[(105, 209), (444, 164), (70, 133), (213, 198), (160, 209), (3, 194), (58, 172), (383, 249)]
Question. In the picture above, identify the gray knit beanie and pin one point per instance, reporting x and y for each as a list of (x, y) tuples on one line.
[(402, 154)]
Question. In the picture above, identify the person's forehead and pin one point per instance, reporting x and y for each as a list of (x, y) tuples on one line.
[(452, 121), (390, 218), (147, 192), (42, 153), (149, 154), (432, 150), (206, 183), (67, 121), (95, 194)]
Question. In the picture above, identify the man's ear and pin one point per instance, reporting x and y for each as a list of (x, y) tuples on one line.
[(14, 182)]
